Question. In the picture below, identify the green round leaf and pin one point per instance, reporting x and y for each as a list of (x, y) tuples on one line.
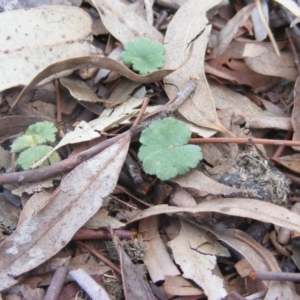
[(42, 131), (145, 56), (34, 154), (23, 142), (164, 151)]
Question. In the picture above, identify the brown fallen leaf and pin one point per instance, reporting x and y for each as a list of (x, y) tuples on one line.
[(51, 34), (196, 266), (234, 71), (258, 256), (123, 91), (134, 285), (291, 162), (296, 113), (201, 185), (219, 42), (95, 61), (178, 286), (255, 117), (265, 61), (242, 207), (16, 124), (123, 22), (80, 90), (79, 196), (199, 108), (156, 258)]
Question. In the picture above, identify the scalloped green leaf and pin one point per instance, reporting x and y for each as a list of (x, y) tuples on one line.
[(143, 55), (164, 151), (23, 142), (34, 154), (43, 132)]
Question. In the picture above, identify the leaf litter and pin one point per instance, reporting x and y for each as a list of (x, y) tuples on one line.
[(206, 233)]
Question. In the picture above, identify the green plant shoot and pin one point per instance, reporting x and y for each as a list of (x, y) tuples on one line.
[(30, 145), (143, 55), (165, 152)]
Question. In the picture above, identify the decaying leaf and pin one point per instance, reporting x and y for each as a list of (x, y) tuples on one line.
[(291, 162), (196, 266), (79, 196), (156, 258), (264, 61), (201, 185), (225, 36), (80, 90), (51, 34), (123, 22), (134, 285), (242, 207), (259, 257), (296, 113), (94, 61), (200, 108)]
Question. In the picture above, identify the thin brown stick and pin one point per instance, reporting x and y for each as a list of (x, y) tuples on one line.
[(103, 234), (58, 168), (292, 177), (170, 107), (142, 111), (58, 102), (294, 199), (280, 149), (293, 48), (278, 247), (199, 141), (278, 276), (100, 256)]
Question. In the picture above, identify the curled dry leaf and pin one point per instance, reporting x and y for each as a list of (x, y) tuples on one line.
[(242, 207), (200, 108), (258, 256), (78, 198), (51, 34), (99, 62)]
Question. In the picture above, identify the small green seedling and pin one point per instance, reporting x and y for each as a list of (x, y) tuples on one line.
[(31, 148), (143, 55), (165, 152)]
